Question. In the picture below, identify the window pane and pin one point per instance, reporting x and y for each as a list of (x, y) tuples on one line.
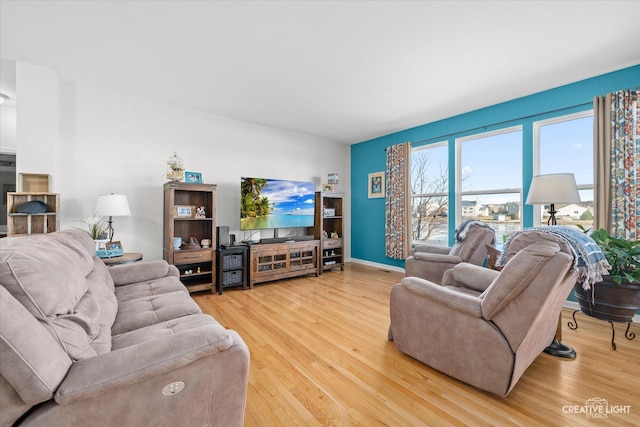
[(500, 211), (566, 146), (429, 220), (429, 188), (492, 165), (492, 162)]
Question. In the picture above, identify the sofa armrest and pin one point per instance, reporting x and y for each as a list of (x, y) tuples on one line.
[(448, 297), (470, 276), (103, 373), (125, 274)]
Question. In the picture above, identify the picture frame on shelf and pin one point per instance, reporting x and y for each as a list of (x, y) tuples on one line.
[(376, 185), (184, 211), (193, 177), (327, 188)]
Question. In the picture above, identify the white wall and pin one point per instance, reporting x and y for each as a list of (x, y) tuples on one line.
[(37, 119), (112, 143), (7, 129)]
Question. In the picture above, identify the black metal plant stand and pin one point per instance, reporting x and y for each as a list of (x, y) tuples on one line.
[(628, 335)]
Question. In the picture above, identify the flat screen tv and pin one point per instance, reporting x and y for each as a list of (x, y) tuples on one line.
[(275, 203)]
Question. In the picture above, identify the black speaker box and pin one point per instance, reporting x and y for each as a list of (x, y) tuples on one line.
[(222, 238)]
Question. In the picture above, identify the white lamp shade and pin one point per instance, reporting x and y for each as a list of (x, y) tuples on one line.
[(112, 205), (553, 188)]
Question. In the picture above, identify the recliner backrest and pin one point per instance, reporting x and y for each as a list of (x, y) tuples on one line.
[(473, 249), (522, 289)]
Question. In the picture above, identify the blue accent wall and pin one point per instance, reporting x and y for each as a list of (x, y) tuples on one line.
[(367, 222)]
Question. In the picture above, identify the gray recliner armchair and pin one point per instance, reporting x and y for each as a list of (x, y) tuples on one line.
[(431, 261), (481, 326)]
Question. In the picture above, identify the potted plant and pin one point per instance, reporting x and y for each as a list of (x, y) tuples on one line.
[(97, 229), (617, 297)]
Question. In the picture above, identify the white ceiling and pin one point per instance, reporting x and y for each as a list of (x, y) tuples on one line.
[(343, 70)]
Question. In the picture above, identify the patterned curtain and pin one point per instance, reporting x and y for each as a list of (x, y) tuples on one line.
[(397, 204), (625, 164)]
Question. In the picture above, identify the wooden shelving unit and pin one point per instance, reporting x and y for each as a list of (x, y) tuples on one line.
[(283, 260), (329, 229), (197, 265), (22, 224)]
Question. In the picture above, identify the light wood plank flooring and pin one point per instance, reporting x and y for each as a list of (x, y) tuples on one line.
[(320, 356)]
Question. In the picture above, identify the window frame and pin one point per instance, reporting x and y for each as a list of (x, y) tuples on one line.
[(458, 170), (536, 126)]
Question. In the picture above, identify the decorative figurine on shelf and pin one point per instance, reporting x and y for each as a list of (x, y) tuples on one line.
[(334, 235), (324, 234), (200, 212), (175, 168), (206, 243)]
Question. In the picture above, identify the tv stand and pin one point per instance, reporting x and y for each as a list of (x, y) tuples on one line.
[(275, 261)]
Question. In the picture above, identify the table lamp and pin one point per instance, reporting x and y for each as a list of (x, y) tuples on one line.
[(112, 205), (551, 189)]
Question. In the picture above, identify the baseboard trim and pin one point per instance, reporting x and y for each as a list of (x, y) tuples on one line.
[(377, 265)]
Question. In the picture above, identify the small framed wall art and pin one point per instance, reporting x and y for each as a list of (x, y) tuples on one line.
[(193, 177), (327, 188), (376, 185)]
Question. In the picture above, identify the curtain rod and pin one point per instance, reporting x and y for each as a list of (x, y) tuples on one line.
[(484, 127)]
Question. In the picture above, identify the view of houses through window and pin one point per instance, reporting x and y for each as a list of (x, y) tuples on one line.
[(488, 177)]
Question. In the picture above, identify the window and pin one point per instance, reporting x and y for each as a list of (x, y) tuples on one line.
[(565, 145), (429, 193), (488, 179)]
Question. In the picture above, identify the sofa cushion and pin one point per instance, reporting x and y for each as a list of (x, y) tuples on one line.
[(58, 281), (160, 330), (140, 312), (32, 361), (149, 288)]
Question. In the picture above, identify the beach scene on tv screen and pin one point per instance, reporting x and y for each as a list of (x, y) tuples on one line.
[(274, 203)]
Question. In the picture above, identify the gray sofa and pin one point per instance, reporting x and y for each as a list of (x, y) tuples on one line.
[(82, 344)]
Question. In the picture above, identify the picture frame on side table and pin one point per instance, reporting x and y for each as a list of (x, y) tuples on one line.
[(182, 211), (113, 246), (193, 177), (327, 188), (376, 185)]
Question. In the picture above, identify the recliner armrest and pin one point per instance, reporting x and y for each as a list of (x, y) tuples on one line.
[(439, 258), (126, 274), (448, 297), (89, 377), (434, 249), (469, 276)]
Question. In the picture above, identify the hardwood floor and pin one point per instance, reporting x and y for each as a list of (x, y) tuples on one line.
[(320, 356)]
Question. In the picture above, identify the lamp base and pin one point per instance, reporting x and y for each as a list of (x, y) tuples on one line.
[(557, 349)]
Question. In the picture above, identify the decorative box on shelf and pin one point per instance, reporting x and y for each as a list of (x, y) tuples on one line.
[(329, 212)]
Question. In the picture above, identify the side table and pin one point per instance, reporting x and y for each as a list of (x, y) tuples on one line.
[(123, 259)]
